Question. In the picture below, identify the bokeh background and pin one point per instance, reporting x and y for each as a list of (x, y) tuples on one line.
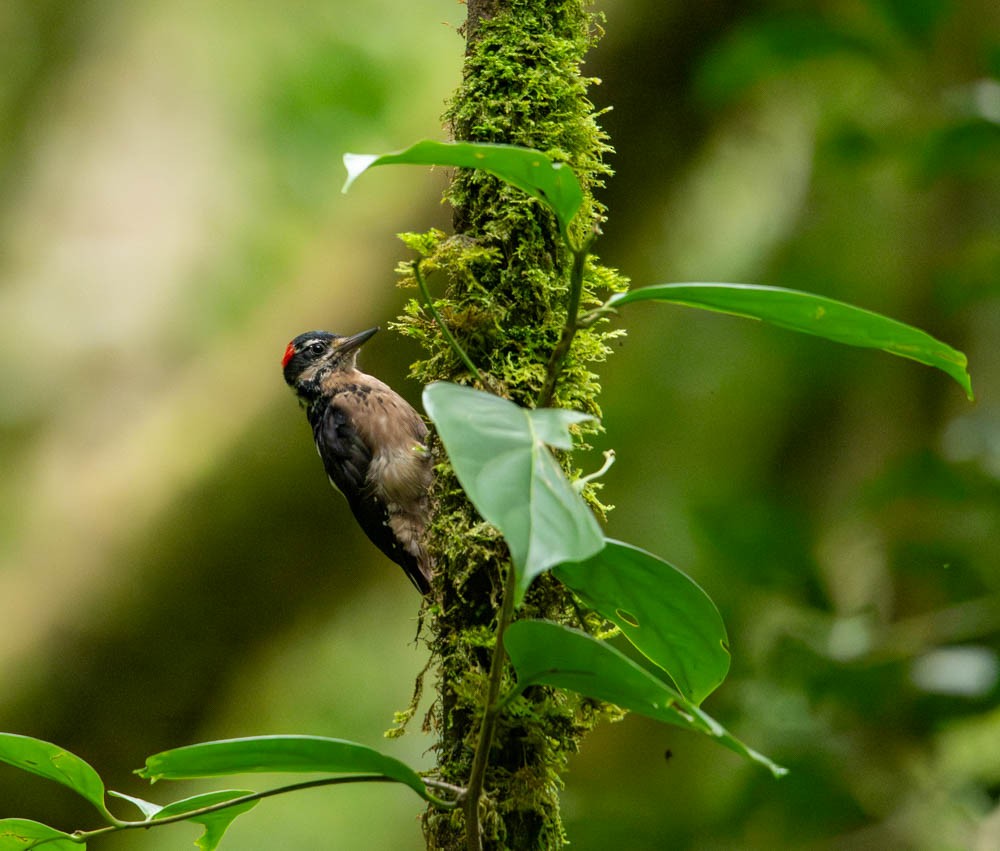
[(173, 566)]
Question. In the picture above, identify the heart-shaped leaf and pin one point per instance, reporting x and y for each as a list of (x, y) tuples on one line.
[(500, 454), (661, 610), (812, 314)]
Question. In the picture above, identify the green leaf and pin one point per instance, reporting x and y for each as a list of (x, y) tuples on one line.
[(55, 763), (529, 170), (19, 834), (500, 454), (215, 823), (278, 754), (545, 653), (660, 609), (812, 314), (147, 808)]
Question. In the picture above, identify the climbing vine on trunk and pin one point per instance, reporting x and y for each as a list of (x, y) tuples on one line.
[(504, 275)]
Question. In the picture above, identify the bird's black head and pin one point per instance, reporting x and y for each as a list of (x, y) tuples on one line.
[(314, 354)]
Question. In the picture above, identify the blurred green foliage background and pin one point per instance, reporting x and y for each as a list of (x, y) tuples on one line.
[(173, 566)]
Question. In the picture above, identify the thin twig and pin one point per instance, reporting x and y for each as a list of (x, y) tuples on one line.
[(591, 316), (84, 835), (457, 791)]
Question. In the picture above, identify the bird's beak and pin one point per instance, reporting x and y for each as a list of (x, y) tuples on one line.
[(349, 344)]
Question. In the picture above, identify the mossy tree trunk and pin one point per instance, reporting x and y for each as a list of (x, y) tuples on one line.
[(506, 272)]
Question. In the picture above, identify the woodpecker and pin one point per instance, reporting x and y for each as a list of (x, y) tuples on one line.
[(372, 444)]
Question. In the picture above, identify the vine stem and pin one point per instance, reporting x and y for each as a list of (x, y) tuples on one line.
[(82, 836), (572, 325), (493, 705), (440, 323), (492, 708)]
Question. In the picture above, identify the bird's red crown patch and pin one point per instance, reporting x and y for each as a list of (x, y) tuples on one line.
[(289, 354)]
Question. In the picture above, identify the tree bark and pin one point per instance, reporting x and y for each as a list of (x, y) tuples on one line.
[(506, 270)]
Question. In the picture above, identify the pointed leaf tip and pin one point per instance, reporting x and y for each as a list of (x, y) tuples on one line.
[(356, 165), (55, 763), (546, 653), (812, 314), (529, 170)]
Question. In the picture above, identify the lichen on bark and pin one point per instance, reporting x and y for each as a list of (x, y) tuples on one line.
[(505, 273)]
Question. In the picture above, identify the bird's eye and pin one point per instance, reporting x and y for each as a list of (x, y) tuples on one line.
[(316, 348)]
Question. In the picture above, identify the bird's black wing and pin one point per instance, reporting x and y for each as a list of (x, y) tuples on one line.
[(346, 458), (345, 455)]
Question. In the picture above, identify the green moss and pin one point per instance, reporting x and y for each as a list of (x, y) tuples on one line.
[(503, 281)]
